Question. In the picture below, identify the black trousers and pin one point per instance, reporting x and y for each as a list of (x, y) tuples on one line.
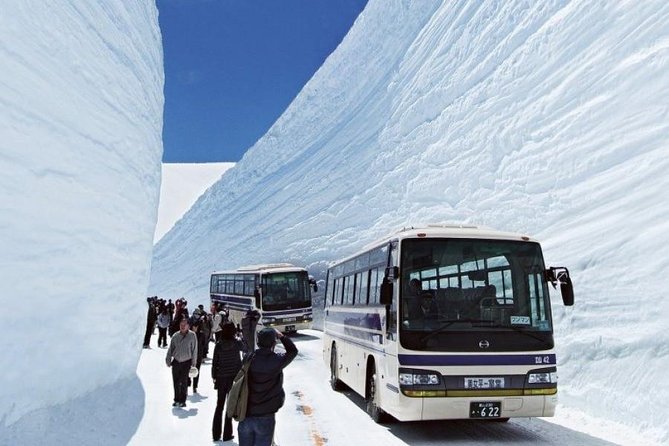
[(180, 380), (147, 335), (223, 385), (196, 380), (162, 337)]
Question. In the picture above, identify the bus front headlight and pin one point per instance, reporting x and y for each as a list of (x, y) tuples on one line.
[(542, 378), (417, 378), (268, 320)]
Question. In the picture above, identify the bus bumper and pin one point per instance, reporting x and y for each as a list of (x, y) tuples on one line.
[(416, 409)]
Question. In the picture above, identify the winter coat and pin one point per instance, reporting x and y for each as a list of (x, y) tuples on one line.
[(266, 395), (227, 360)]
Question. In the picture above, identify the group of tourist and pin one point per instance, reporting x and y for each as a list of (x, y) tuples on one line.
[(189, 346)]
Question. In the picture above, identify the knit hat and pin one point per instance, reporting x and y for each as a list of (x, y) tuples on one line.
[(266, 338)]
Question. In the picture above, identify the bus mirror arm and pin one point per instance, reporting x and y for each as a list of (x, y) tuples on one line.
[(560, 275)]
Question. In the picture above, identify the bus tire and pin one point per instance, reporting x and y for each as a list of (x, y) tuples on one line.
[(371, 396), (335, 382)]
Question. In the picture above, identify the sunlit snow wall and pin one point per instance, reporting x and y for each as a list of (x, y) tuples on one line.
[(549, 118), (80, 146)]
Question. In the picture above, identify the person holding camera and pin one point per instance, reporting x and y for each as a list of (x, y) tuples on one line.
[(265, 391)]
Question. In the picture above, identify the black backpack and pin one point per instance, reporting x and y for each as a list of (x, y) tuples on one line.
[(224, 318)]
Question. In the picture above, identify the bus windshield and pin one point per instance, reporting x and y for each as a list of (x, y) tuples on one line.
[(454, 291), (281, 291)]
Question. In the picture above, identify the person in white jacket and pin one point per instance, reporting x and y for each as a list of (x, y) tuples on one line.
[(220, 316), (163, 323)]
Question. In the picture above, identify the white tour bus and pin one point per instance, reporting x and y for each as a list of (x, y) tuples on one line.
[(280, 292), (445, 322)]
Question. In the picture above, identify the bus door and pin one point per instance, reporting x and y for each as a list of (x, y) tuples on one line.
[(389, 368)]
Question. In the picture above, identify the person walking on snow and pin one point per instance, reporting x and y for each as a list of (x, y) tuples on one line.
[(181, 356)]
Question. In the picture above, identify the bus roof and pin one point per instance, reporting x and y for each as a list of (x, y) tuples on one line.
[(454, 231), (264, 268), (442, 231)]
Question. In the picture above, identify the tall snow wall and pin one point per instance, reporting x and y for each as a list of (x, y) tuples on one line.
[(81, 88), (549, 118)]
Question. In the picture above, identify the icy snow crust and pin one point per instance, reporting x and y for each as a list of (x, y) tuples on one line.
[(549, 118), (80, 147)]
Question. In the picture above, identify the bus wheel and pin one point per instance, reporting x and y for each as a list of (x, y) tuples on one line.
[(335, 382), (375, 412)]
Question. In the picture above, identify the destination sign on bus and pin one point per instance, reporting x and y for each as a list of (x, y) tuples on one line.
[(484, 383)]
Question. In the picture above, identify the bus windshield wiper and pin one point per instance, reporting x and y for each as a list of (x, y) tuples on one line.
[(447, 323)]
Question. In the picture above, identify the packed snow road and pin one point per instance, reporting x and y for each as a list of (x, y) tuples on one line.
[(315, 415)]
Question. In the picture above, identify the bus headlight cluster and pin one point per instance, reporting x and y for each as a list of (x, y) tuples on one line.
[(542, 378), (268, 320), (419, 379)]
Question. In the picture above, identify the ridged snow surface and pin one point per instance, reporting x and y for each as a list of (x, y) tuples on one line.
[(80, 146), (549, 118)]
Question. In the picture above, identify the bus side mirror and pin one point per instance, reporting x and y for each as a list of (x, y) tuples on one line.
[(386, 297), (313, 284), (567, 290), (560, 275), (256, 294)]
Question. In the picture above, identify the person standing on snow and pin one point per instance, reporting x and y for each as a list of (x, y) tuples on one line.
[(224, 368), (150, 320), (196, 325), (163, 322), (266, 394), (181, 356)]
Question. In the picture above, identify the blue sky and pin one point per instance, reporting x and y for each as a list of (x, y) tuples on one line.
[(233, 66)]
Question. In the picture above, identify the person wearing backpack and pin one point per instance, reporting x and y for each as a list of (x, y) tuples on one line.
[(225, 365), (265, 388)]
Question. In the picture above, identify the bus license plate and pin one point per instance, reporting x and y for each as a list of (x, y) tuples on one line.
[(290, 328), (487, 409)]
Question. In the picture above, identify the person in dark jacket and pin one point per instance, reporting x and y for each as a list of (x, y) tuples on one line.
[(224, 367), (151, 317), (196, 326), (266, 394)]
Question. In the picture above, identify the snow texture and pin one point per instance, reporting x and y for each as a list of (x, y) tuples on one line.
[(81, 104), (182, 184), (549, 118)]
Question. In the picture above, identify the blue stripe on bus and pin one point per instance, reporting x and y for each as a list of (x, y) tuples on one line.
[(361, 344), (437, 360), (232, 299), (284, 312), (375, 338), (350, 319)]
